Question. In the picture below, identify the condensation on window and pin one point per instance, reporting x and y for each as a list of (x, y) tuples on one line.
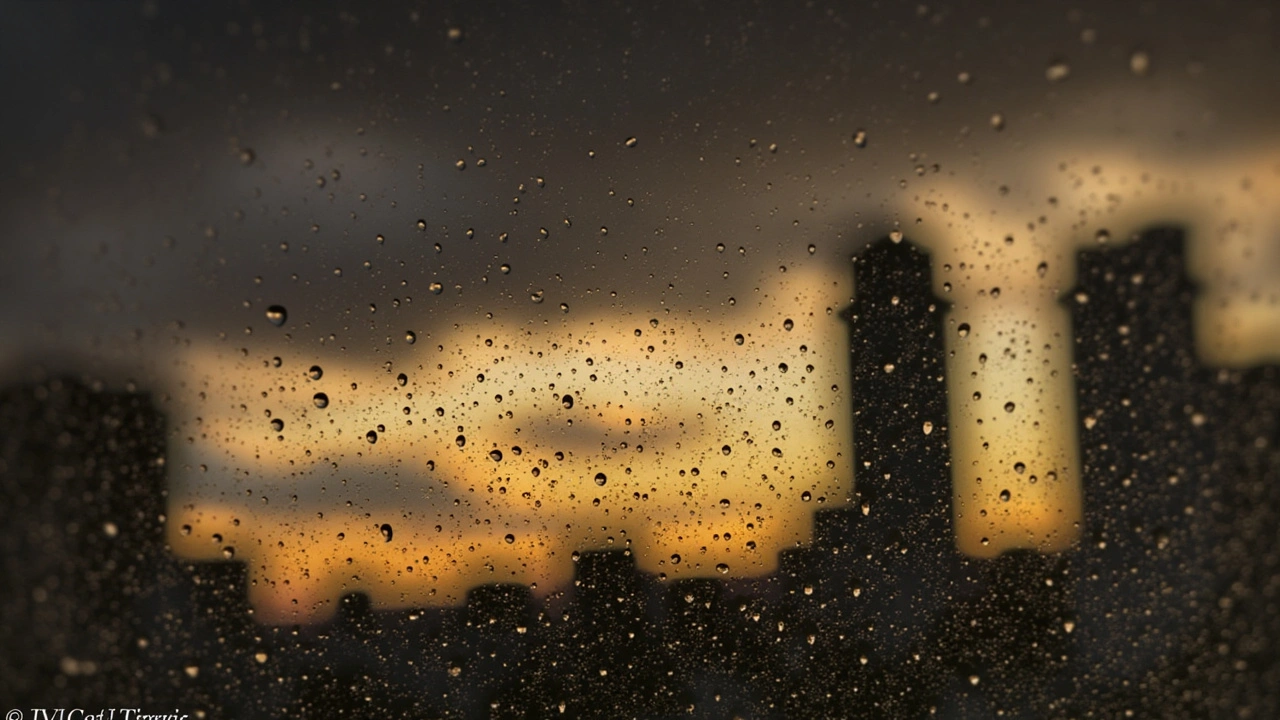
[(468, 360)]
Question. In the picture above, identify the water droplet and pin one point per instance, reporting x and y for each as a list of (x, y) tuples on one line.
[(1102, 237), (631, 142), (277, 424), (435, 288), (724, 502), (1042, 268), (229, 553), (860, 138), (1139, 63), (277, 315), (675, 558), (536, 296), (410, 337), (1009, 407), (316, 372), (997, 122), (806, 496), (738, 339), (371, 436), (726, 450), (928, 427), (722, 568), (788, 324), (567, 401), (495, 455), (777, 425), (461, 440), (247, 156), (461, 164), (509, 538), (601, 479), (386, 532), (321, 400), (402, 380), (963, 330), (1057, 71), (1005, 495)]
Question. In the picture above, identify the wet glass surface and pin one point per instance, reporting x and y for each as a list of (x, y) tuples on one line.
[(596, 360)]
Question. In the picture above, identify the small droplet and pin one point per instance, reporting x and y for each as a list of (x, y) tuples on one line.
[(630, 142), (726, 450), (567, 401), (386, 532), (321, 400), (997, 121), (277, 424), (402, 379), (371, 436), (601, 479), (435, 288), (277, 315), (1139, 63), (247, 156), (509, 538), (722, 568), (1005, 495), (928, 428), (738, 339), (461, 440), (963, 330), (536, 296), (1057, 71), (860, 138), (316, 372), (788, 324), (495, 455), (1009, 407), (806, 496), (410, 337)]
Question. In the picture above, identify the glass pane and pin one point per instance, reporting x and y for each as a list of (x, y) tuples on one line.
[(471, 360)]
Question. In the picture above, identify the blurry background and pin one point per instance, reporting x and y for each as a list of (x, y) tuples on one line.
[(461, 171)]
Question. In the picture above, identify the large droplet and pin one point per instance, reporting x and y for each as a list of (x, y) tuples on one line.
[(277, 315), (315, 373), (386, 532), (601, 479), (321, 400)]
